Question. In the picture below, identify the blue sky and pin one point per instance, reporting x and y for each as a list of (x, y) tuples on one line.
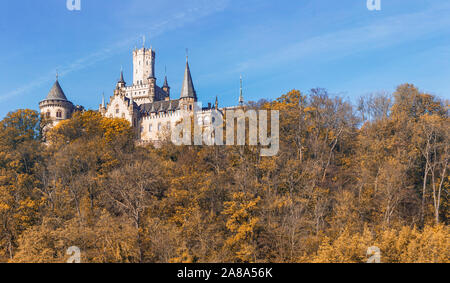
[(276, 45)]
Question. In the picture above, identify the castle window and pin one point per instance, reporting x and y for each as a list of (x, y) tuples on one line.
[(150, 128), (59, 114), (117, 111), (47, 114)]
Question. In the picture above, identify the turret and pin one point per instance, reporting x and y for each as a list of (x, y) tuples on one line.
[(55, 107), (120, 84), (166, 87), (102, 108), (188, 95)]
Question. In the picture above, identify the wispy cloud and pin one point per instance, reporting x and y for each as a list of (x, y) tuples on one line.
[(176, 20), (383, 33)]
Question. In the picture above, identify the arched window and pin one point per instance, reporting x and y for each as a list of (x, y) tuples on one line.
[(47, 114), (59, 114)]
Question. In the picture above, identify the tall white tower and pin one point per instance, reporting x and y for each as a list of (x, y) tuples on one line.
[(143, 65)]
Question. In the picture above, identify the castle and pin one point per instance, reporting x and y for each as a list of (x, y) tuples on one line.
[(149, 108)]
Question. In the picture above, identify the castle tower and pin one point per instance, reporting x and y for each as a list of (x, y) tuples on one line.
[(166, 88), (143, 65), (151, 81), (102, 108), (55, 107), (121, 82), (188, 95)]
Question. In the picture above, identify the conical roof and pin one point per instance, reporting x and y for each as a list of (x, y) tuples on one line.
[(56, 92), (121, 80), (188, 89)]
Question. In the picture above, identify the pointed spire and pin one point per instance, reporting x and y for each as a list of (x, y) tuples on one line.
[(188, 90), (241, 97), (121, 80), (57, 75), (103, 100), (143, 41), (217, 103), (166, 85)]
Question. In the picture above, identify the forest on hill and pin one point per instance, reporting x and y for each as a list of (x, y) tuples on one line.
[(348, 176)]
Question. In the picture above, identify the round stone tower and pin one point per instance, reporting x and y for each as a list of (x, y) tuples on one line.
[(56, 107)]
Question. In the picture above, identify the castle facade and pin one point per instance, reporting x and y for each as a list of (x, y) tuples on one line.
[(148, 107)]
